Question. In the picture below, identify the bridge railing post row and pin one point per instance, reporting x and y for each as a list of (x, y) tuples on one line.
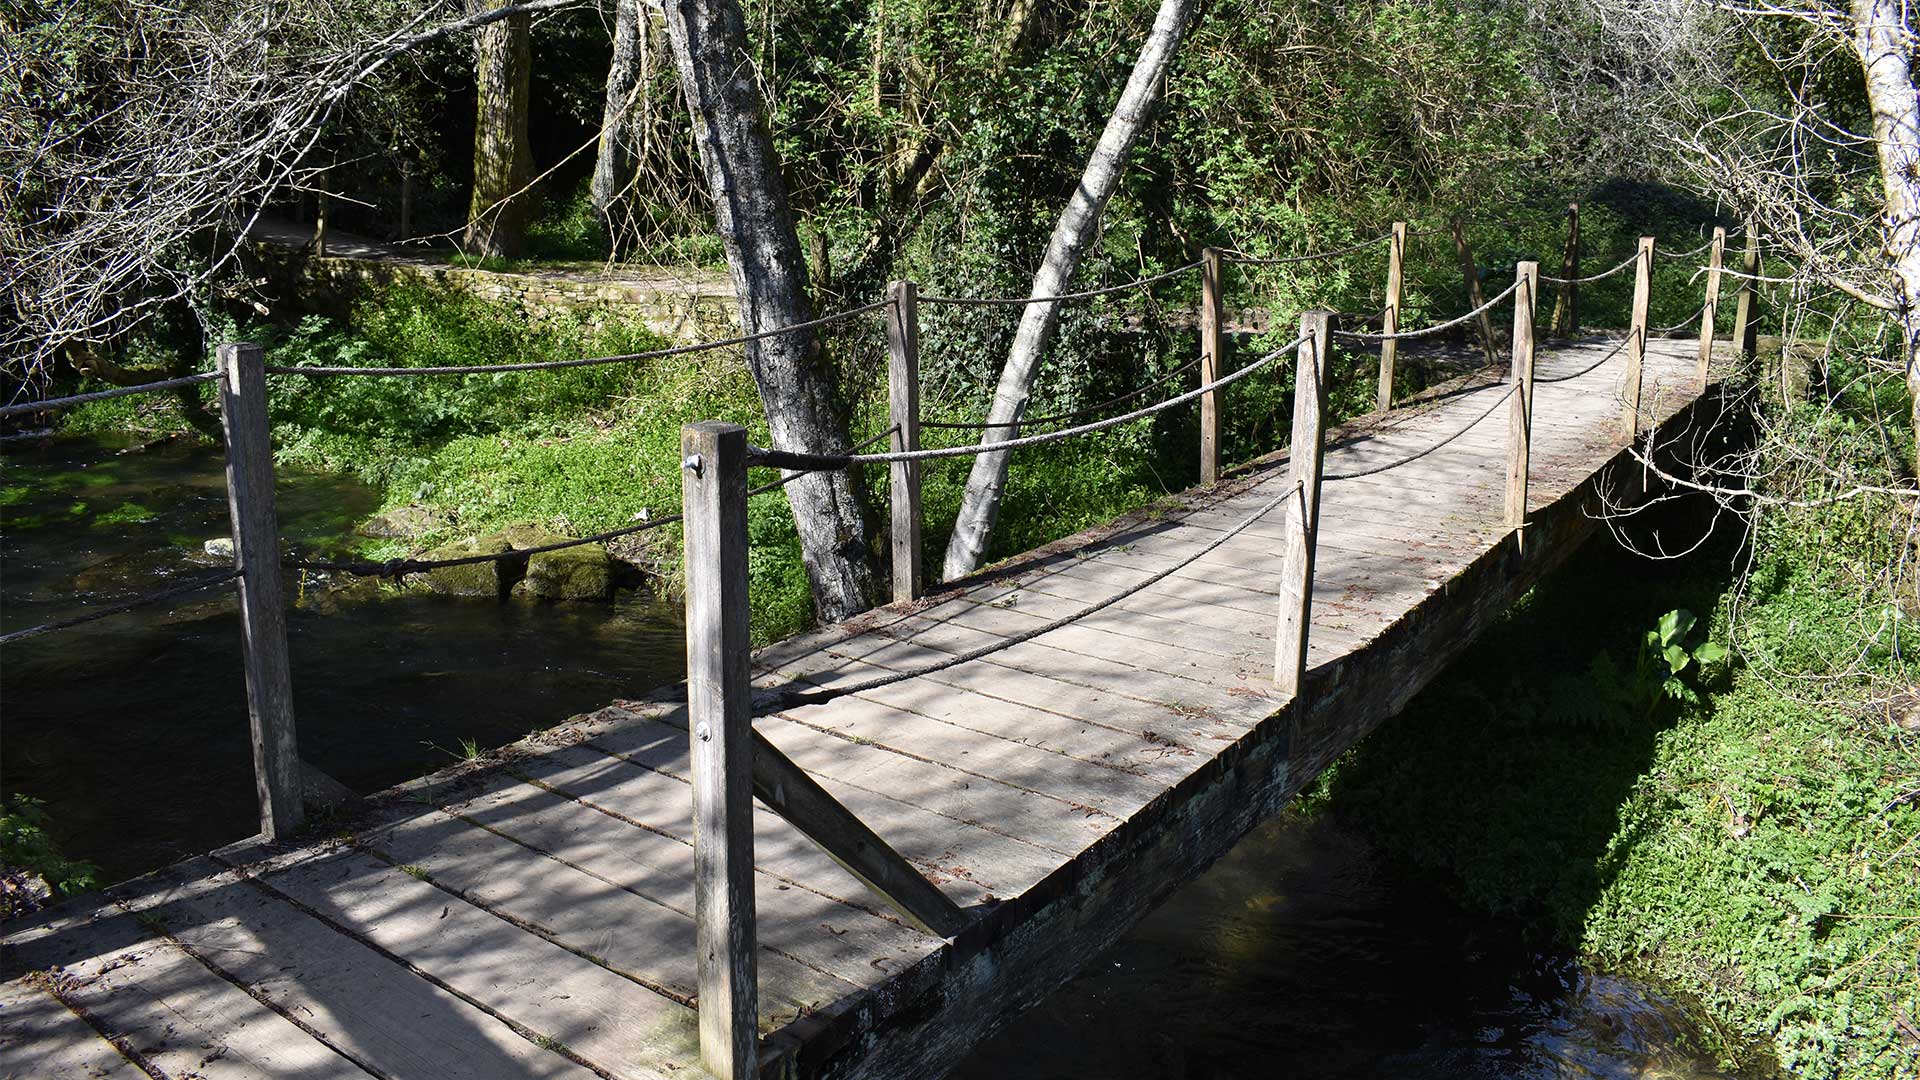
[(1470, 272), (1746, 310), (1637, 338), (1213, 317), (1520, 415), (263, 616), (1304, 456), (903, 409), (1566, 306), (720, 736), (1390, 321), (1711, 306)]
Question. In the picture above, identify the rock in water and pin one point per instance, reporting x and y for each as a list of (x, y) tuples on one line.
[(491, 578), (585, 572), (400, 523)]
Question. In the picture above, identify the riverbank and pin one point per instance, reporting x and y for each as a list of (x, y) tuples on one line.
[(1747, 838)]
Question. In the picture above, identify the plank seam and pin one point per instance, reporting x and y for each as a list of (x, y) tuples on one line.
[(49, 983)]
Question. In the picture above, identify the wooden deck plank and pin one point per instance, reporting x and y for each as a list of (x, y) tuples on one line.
[(40, 1037)]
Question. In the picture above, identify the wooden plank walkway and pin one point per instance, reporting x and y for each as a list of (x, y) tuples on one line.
[(532, 915)]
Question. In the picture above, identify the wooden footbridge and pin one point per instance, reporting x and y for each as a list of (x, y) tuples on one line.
[(962, 797)]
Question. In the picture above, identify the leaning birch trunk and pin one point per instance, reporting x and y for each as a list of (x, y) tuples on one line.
[(1884, 43), (613, 166), (980, 506), (769, 273)]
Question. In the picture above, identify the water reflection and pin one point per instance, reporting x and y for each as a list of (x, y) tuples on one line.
[(1303, 954), (133, 728)]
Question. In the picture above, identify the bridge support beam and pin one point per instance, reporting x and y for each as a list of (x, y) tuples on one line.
[(263, 615), (1637, 338), (1390, 321), (903, 408), (1520, 413), (1304, 467), (1213, 317), (1715, 257), (720, 733)]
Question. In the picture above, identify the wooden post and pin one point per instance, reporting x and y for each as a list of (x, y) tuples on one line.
[(720, 732), (1213, 316), (1566, 306), (1470, 271), (1390, 322), (406, 201), (1637, 337), (1303, 474), (1715, 255), (263, 615), (1520, 414), (903, 410), (320, 218), (1746, 311)]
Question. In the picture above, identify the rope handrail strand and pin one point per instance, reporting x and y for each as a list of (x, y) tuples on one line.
[(1241, 258), (1610, 354), (1684, 254), (1402, 335), (50, 404), (1762, 278), (1373, 470), (1622, 265), (770, 701), (787, 459), (1022, 301), (115, 609), (1697, 312), (586, 361), (952, 425), (395, 568)]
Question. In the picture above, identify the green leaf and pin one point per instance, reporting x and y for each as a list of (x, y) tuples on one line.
[(1674, 625), (1677, 658)]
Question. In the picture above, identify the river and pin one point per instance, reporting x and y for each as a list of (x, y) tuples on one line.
[(1302, 953)]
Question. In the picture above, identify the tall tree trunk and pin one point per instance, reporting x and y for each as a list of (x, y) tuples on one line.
[(769, 273), (502, 158), (1884, 43), (613, 167), (980, 506)]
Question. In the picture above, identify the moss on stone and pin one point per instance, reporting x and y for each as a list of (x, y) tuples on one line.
[(473, 579)]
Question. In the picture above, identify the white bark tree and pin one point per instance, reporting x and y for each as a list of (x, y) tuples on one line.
[(986, 483)]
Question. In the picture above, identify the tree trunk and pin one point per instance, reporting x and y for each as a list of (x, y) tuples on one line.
[(986, 484), (613, 167), (769, 273), (1884, 43), (502, 159)]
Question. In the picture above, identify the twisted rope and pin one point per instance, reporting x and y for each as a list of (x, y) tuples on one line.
[(787, 459), (1697, 312), (589, 361), (769, 701), (1611, 353), (1376, 469), (101, 395), (949, 425), (1684, 254), (1018, 301), (1628, 261), (115, 609), (1402, 335)]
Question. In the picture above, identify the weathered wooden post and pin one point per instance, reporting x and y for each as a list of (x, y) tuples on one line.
[(406, 201), (903, 409), (1390, 322), (1637, 337), (1213, 317), (1716, 253), (720, 732), (263, 615), (1566, 306), (1303, 474), (1470, 271), (1520, 414), (1746, 311), (320, 218)]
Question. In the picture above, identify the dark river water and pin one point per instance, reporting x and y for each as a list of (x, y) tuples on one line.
[(1303, 953)]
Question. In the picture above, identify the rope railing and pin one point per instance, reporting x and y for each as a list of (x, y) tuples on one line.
[(953, 425), (1682, 324), (96, 614), (1403, 335), (1590, 278), (51, 404), (1685, 254), (1375, 470), (788, 459), (1610, 354), (1023, 301)]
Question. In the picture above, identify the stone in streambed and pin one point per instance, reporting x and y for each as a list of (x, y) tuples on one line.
[(400, 523), (583, 572), (491, 578)]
